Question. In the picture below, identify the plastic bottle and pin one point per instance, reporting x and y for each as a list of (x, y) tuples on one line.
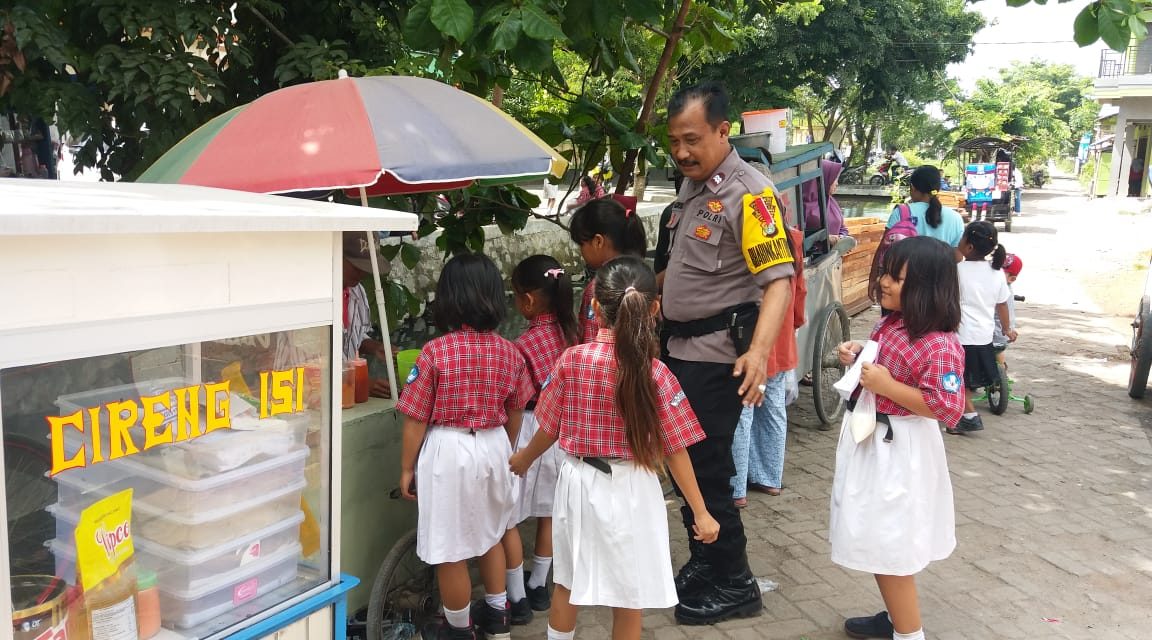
[(348, 386), (147, 604)]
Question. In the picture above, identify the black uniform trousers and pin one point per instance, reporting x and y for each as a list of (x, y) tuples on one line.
[(712, 392)]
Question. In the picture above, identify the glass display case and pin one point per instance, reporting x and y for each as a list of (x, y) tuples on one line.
[(177, 347)]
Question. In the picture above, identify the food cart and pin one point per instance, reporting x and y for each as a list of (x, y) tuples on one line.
[(179, 345)]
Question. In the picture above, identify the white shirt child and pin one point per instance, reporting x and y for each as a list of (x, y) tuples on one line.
[(981, 289)]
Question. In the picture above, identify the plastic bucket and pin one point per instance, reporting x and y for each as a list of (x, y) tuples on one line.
[(405, 360), (772, 121)]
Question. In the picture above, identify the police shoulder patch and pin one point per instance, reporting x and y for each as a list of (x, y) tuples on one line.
[(764, 240), (950, 382)]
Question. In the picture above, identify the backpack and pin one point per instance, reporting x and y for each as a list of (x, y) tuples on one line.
[(905, 227)]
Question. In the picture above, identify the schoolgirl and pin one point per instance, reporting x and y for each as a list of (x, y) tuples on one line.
[(931, 218), (892, 511), (984, 296), (619, 416), (604, 229), (462, 408), (544, 297)]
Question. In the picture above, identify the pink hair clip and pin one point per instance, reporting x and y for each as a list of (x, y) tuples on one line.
[(553, 273)]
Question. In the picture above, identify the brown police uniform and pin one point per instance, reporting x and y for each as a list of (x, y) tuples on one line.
[(728, 242)]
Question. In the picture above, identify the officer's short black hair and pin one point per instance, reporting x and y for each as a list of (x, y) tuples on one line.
[(711, 94)]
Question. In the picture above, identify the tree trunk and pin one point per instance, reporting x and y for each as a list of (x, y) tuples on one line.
[(670, 45), (498, 96), (811, 130)]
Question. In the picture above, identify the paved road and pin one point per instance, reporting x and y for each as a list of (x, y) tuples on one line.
[(1054, 509)]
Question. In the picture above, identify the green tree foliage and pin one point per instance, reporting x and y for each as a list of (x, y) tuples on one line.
[(854, 64), (1047, 104)]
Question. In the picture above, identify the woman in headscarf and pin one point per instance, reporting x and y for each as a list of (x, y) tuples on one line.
[(834, 216)]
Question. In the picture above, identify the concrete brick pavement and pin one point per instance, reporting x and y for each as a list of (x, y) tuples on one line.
[(1054, 509)]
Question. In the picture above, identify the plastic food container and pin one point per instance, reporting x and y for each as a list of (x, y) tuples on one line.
[(181, 570), (175, 495), (186, 608), (201, 530)]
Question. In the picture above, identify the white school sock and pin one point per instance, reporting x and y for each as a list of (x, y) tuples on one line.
[(515, 582), (560, 635), (540, 567), (498, 601), (971, 415), (915, 635), (459, 619)]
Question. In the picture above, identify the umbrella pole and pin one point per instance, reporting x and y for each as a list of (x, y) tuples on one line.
[(390, 361)]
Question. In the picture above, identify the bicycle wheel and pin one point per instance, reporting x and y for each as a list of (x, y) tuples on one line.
[(999, 391), (404, 592)]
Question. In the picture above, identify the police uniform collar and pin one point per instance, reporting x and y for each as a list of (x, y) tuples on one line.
[(728, 168)]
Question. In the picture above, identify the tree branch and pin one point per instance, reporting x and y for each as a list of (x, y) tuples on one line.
[(271, 27)]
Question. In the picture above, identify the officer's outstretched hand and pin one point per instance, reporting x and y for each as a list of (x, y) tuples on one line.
[(754, 367)]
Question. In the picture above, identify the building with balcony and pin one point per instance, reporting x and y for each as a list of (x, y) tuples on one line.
[(1124, 81)]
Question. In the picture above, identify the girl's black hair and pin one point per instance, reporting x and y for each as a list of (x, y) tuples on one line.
[(981, 234), (926, 179), (610, 219), (930, 298), (470, 292), (543, 274), (626, 290)]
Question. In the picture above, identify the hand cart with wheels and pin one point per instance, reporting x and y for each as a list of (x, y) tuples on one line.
[(827, 322), (1141, 349)]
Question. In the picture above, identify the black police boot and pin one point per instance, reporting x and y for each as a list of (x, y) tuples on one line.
[(695, 573), (877, 626), (735, 595)]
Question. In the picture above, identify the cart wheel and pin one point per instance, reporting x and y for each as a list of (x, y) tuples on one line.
[(1029, 406), (1141, 352), (404, 593), (26, 466), (1008, 221), (999, 392), (832, 328)]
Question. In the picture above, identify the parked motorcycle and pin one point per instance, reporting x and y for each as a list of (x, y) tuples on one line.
[(889, 172), (1039, 177), (853, 175)]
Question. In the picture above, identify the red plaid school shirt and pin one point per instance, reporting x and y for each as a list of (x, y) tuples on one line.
[(578, 404), (468, 379), (541, 345), (934, 364), (588, 324)]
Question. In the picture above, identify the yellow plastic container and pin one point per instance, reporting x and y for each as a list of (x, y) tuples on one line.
[(405, 360)]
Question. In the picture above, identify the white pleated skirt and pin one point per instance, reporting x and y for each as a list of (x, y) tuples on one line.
[(537, 490), (610, 537), (892, 510), (464, 492)]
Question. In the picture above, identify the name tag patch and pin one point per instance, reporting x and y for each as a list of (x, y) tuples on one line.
[(765, 239)]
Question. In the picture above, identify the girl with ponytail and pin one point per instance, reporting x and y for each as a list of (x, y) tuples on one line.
[(929, 216), (984, 296), (543, 295), (619, 416)]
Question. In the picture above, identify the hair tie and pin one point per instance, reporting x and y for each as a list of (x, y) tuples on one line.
[(629, 289), (554, 273), (935, 192)]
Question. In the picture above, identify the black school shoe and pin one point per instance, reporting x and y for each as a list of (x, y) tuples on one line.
[(877, 626), (538, 597), (492, 624), (520, 613), (444, 631), (721, 599)]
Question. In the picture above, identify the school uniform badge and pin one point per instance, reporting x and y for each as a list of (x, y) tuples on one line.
[(412, 375), (765, 239), (703, 232), (950, 382), (677, 399)]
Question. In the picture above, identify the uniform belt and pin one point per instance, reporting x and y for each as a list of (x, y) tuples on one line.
[(702, 327), (531, 406), (599, 464)]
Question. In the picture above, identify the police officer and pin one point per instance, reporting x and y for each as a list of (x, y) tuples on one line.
[(726, 288)]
